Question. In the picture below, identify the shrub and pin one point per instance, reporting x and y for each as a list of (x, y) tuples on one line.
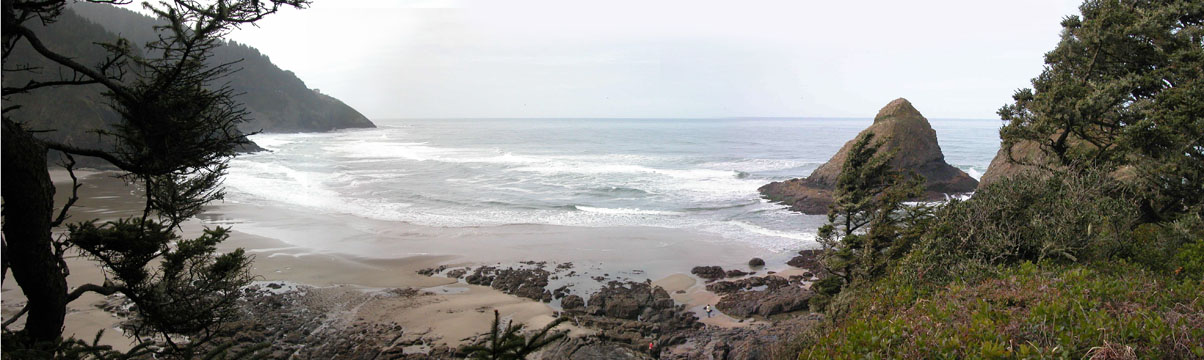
[(1027, 311), (1026, 218)]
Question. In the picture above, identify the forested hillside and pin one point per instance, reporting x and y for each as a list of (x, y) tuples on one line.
[(276, 99)]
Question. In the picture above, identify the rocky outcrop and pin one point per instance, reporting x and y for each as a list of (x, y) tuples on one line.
[(631, 301), (1006, 165), (528, 283), (766, 302), (593, 348), (806, 259), (744, 343), (628, 317), (572, 302), (708, 272), (764, 296), (903, 128)]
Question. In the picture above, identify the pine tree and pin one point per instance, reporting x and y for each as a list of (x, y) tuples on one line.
[(508, 342), (868, 220), (1122, 93), (174, 138)]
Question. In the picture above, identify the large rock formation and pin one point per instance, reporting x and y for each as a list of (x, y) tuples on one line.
[(904, 129)]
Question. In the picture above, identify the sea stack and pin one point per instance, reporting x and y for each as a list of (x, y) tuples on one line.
[(906, 130)]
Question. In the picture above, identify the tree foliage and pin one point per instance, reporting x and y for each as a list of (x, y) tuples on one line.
[(1123, 92), (509, 343), (177, 130), (869, 224)]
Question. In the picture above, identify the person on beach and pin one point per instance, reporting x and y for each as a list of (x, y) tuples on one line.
[(707, 308)]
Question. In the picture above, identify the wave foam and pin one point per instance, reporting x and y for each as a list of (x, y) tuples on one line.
[(625, 211), (775, 233)]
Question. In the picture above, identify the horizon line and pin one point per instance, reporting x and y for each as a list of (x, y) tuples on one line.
[(654, 118)]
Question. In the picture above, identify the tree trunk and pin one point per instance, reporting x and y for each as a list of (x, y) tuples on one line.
[(28, 210)]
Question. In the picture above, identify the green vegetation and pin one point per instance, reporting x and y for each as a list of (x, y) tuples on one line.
[(509, 343), (1097, 252), (869, 194), (1022, 311)]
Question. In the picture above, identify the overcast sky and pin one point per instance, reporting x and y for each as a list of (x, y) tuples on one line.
[(689, 58)]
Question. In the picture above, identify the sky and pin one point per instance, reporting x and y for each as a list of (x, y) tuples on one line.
[(674, 58)]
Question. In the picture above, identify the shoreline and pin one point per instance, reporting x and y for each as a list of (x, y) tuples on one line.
[(447, 312)]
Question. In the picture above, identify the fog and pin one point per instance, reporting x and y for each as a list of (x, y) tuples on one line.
[(434, 59)]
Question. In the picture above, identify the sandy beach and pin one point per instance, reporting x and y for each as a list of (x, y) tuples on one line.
[(320, 253)]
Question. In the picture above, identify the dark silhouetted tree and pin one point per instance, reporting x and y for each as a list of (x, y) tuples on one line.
[(174, 138)]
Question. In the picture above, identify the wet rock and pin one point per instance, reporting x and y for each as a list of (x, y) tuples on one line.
[(756, 263), (630, 314), (708, 272), (768, 302), (594, 348), (728, 287), (724, 287), (735, 273), (560, 292), (572, 302), (806, 259), (523, 282), (432, 271), (752, 342), (457, 273)]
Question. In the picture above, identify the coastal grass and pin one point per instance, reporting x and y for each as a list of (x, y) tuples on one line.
[(1044, 311)]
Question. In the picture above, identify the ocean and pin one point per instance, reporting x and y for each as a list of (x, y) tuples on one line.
[(699, 175)]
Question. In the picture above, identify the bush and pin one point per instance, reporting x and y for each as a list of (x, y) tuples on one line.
[(1027, 311), (1026, 218)]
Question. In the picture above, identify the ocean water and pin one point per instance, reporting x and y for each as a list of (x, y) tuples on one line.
[(697, 174)]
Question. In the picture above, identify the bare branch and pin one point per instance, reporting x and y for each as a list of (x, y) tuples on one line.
[(117, 89), (13, 319), (106, 156), (106, 290), (70, 166)]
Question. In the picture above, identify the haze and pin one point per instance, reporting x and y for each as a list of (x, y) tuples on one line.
[(424, 59)]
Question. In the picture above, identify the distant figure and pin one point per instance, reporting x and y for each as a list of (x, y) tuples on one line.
[(707, 308)]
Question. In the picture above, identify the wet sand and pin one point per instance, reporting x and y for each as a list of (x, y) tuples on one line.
[(346, 253)]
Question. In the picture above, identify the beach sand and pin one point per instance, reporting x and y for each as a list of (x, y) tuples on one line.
[(341, 252), (451, 316)]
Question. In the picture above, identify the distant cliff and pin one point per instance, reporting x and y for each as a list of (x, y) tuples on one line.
[(276, 99), (907, 131)]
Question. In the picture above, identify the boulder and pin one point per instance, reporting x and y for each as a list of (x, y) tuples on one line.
[(735, 273), (708, 272), (572, 302), (806, 259), (903, 128), (756, 262)]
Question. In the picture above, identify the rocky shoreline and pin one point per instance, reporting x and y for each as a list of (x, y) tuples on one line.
[(616, 319)]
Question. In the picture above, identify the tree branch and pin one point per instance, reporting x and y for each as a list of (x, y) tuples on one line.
[(70, 166), (31, 85), (93, 153), (106, 290), (13, 319), (36, 43)]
